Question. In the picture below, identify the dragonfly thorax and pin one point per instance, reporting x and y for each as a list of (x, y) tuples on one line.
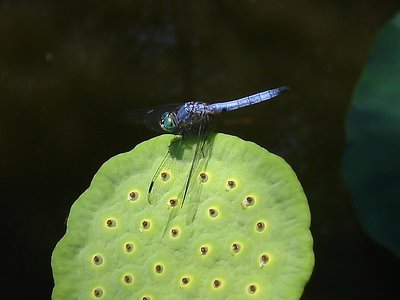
[(186, 119)]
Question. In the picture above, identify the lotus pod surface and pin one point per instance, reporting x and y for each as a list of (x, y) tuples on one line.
[(242, 232)]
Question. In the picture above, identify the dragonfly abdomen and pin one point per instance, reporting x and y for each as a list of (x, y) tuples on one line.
[(245, 101)]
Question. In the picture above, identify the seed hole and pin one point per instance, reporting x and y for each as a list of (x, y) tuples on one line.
[(213, 212), (264, 259), (165, 176), (248, 201), (159, 269), (236, 247), (111, 223), (260, 226), (231, 184), (98, 292), (145, 224), (252, 288), (97, 260), (129, 247), (203, 250), (128, 278), (185, 280), (146, 298), (174, 232), (217, 283), (172, 202), (203, 177), (133, 196)]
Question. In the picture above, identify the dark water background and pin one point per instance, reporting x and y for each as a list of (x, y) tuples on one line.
[(67, 68)]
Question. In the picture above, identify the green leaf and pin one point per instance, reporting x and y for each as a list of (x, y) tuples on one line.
[(371, 163)]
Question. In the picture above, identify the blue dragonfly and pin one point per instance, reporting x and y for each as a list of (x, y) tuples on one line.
[(188, 121)]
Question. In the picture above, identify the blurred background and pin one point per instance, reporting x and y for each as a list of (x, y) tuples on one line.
[(68, 68)]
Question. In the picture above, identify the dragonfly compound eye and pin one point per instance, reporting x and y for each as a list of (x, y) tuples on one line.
[(168, 122)]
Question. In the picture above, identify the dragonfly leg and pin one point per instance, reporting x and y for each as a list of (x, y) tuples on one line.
[(203, 143)]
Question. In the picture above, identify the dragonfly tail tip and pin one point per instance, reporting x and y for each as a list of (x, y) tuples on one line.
[(284, 88)]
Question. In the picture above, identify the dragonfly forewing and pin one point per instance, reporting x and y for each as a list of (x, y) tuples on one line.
[(164, 178)]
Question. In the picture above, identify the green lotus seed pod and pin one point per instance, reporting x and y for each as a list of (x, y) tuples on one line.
[(248, 239)]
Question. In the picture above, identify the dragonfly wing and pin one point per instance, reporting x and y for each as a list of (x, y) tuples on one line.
[(172, 215), (198, 176), (170, 176), (164, 177), (155, 189), (177, 177)]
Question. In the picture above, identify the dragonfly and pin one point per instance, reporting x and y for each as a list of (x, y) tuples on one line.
[(187, 121)]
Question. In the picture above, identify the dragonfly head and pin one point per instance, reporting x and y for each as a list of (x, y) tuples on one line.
[(169, 122)]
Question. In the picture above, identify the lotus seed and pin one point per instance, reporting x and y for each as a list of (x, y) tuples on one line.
[(174, 232), (231, 184), (159, 269), (172, 202), (213, 212), (252, 289), (260, 226), (235, 247), (264, 259), (185, 280), (97, 259), (98, 292), (203, 177), (204, 250), (128, 247), (128, 278), (217, 283), (133, 196), (111, 223), (248, 201), (165, 176), (145, 224)]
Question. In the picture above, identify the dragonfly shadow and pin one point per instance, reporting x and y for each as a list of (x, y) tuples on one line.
[(180, 147)]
